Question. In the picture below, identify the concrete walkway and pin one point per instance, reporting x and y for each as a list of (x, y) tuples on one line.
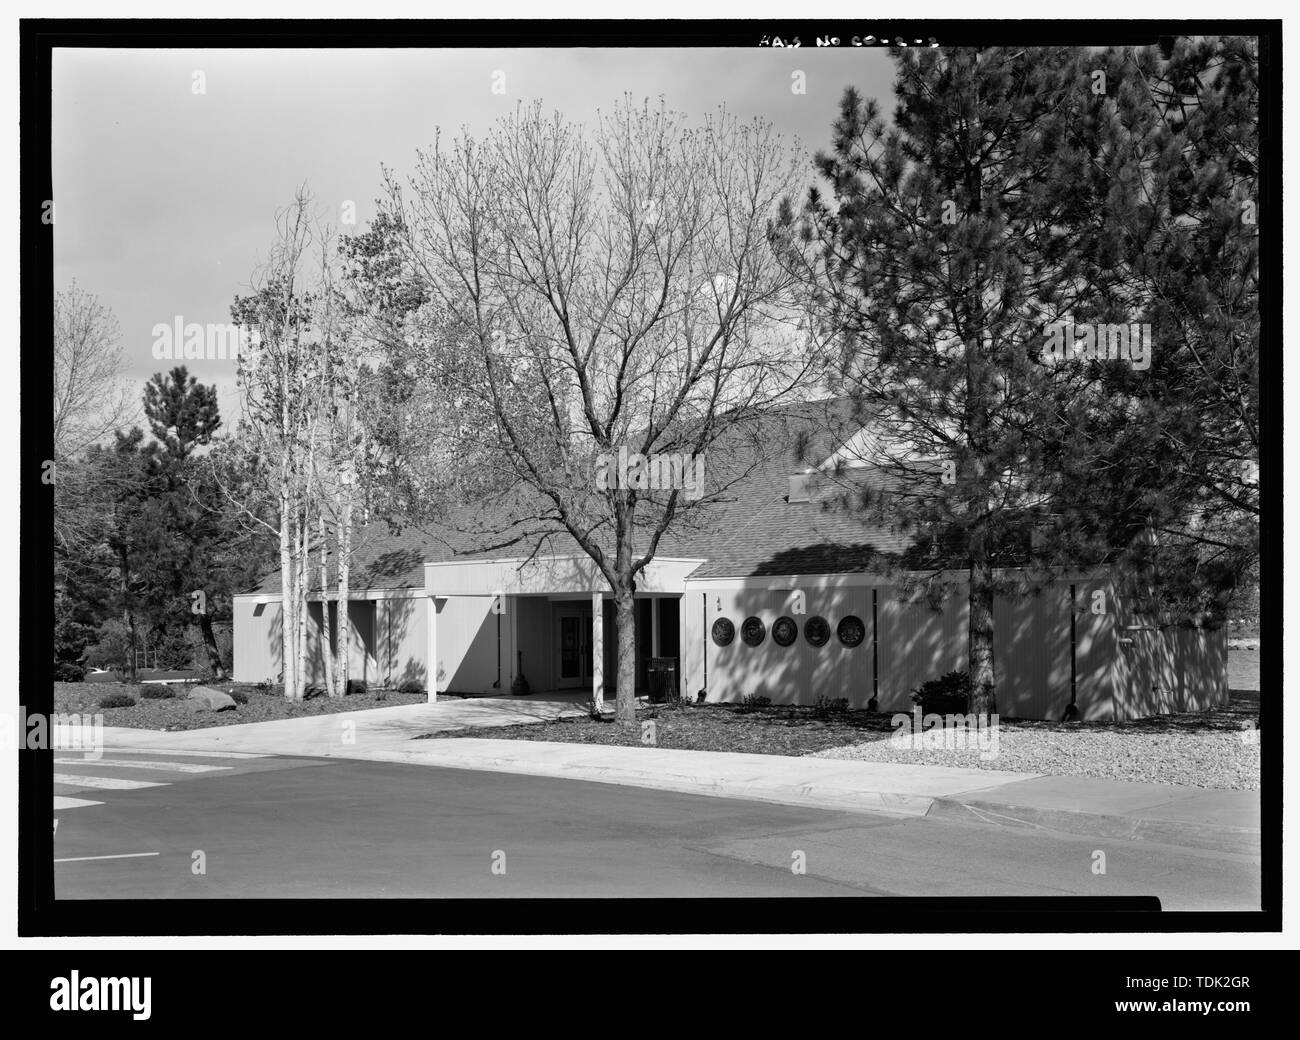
[(350, 734), (1227, 821)]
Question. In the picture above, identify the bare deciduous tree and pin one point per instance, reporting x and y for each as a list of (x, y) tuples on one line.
[(616, 289)]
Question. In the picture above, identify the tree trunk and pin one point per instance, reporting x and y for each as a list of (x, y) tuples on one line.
[(128, 615), (625, 617), (983, 695), (210, 642), (300, 598), (345, 567), (327, 630), (288, 583)]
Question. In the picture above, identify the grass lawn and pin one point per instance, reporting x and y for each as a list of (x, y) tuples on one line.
[(176, 713)]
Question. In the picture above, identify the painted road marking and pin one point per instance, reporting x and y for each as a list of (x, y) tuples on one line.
[(64, 802), (175, 767), (120, 855), (110, 782), (194, 754)]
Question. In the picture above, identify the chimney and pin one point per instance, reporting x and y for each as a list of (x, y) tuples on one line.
[(800, 487)]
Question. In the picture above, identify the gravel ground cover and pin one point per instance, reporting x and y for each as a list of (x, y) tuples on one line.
[(1217, 749), (1214, 749)]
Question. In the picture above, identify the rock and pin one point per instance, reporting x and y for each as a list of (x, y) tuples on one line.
[(204, 698)]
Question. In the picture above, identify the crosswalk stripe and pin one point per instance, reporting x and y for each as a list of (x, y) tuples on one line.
[(120, 855), (112, 783), (62, 801), (186, 754), (173, 767)]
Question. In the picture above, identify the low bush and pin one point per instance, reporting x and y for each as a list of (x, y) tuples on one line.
[(238, 696), (830, 706), (753, 702), (948, 695), (313, 690), (117, 700), (357, 686), (410, 686), (154, 692), (68, 671)]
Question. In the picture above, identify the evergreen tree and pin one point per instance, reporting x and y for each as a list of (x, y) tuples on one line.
[(955, 239)]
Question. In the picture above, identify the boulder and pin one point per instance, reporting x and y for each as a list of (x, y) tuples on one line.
[(205, 698)]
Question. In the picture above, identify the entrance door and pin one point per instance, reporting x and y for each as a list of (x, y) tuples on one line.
[(573, 645)]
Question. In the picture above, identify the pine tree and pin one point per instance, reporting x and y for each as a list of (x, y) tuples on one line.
[(956, 237)]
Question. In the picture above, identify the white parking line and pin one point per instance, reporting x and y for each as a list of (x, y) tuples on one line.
[(64, 802), (174, 767), (120, 855), (111, 783)]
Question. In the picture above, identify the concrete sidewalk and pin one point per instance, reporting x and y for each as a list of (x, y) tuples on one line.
[(1226, 821)]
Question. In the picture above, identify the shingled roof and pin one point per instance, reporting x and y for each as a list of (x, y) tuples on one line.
[(750, 530)]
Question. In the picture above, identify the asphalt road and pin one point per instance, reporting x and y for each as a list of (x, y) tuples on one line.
[(294, 827)]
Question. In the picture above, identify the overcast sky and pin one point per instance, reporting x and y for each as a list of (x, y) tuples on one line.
[(165, 198)]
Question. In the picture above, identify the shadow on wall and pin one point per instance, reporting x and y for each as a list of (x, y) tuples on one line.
[(386, 630), (400, 664), (856, 642)]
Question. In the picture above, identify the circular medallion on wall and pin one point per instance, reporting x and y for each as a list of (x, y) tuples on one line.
[(851, 631), (816, 630), (784, 631), (723, 632), (753, 631)]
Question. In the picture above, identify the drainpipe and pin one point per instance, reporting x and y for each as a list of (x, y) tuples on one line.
[(875, 657), (1072, 711), (704, 692), (497, 685)]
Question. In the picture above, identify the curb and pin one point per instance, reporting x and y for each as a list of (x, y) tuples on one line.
[(811, 796), (1242, 840)]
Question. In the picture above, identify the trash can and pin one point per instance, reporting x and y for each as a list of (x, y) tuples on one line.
[(662, 678)]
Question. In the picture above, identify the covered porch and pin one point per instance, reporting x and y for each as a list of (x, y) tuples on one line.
[(549, 619)]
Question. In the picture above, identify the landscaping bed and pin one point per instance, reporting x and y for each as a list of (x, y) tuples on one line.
[(176, 713), (1213, 749)]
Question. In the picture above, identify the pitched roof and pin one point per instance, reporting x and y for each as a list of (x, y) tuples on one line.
[(749, 529)]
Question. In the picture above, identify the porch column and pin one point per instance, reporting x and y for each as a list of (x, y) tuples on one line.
[(431, 644), (598, 649)]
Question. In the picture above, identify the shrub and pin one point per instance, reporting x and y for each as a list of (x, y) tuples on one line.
[(117, 700), (831, 706), (949, 695), (313, 690), (155, 692), (357, 686), (238, 696), (411, 686), (753, 702), (68, 671)]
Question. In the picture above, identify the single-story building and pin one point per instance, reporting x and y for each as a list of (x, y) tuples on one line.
[(775, 594)]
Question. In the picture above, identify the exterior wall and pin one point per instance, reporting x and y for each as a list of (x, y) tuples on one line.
[(467, 644), (386, 640), (915, 641), (255, 650), (1158, 670), (400, 639), (796, 674), (1124, 668)]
